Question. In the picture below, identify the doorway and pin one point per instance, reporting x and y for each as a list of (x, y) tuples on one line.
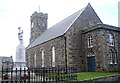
[(91, 63)]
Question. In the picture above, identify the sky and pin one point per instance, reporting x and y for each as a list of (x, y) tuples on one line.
[(16, 13)]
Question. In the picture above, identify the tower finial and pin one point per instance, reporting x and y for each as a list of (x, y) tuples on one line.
[(39, 9)]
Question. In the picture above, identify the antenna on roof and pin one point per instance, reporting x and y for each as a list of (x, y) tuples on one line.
[(39, 8)]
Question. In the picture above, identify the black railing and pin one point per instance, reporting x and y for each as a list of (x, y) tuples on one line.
[(39, 75)]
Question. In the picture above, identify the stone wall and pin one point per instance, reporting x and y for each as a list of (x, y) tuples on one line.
[(74, 40), (38, 25), (76, 45), (101, 48), (59, 45)]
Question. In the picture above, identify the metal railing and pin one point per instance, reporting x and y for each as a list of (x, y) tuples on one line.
[(39, 75)]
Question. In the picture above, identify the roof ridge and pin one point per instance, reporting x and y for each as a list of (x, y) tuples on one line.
[(57, 29), (75, 18)]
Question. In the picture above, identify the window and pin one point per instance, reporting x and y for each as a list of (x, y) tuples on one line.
[(90, 41), (29, 60), (53, 56), (112, 57), (32, 24), (42, 58), (111, 39), (115, 58), (35, 59), (91, 54)]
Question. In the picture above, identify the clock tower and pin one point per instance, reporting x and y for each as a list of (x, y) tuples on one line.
[(38, 24)]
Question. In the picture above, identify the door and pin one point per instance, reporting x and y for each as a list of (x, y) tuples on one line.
[(91, 63)]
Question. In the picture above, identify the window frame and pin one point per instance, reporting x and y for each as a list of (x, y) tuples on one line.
[(43, 57), (32, 24), (35, 63), (112, 57), (90, 54), (90, 41), (111, 39), (53, 56), (29, 59)]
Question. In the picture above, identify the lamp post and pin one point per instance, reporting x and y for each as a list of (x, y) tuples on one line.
[(65, 55)]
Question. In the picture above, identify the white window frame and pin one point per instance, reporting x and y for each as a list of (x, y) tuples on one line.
[(29, 60), (53, 56), (90, 41), (111, 39), (35, 59), (43, 58), (110, 57), (91, 54), (32, 24), (115, 58)]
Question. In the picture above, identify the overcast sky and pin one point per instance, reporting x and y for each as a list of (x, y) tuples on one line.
[(16, 13)]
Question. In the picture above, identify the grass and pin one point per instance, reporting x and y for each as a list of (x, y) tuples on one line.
[(82, 75), (50, 74), (89, 75), (0, 74)]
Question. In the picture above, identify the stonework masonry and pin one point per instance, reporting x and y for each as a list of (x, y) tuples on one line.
[(101, 48), (58, 43), (38, 24), (71, 48)]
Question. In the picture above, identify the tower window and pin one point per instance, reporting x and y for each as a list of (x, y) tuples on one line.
[(53, 56), (32, 24), (90, 41), (42, 58), (111, 39)]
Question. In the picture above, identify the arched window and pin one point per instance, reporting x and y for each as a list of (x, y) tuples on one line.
[(91, 54), (29, 60), (35, 59), (111, 39), (90, 41), (42, 58), (32, 24), (115, 58), (112, 57), (53, 56)]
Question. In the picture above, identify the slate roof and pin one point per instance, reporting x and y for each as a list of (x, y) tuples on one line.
[(4, 59), (57, 30), (101, 26)]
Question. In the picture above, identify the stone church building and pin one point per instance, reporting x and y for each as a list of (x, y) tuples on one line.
[(80, 40)]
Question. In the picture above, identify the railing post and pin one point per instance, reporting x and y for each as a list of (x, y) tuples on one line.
[(11, 74), (28, 75), (24, 75), (65, 54), (16, 75), (43, 74), (20, 75), (2, 72)]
